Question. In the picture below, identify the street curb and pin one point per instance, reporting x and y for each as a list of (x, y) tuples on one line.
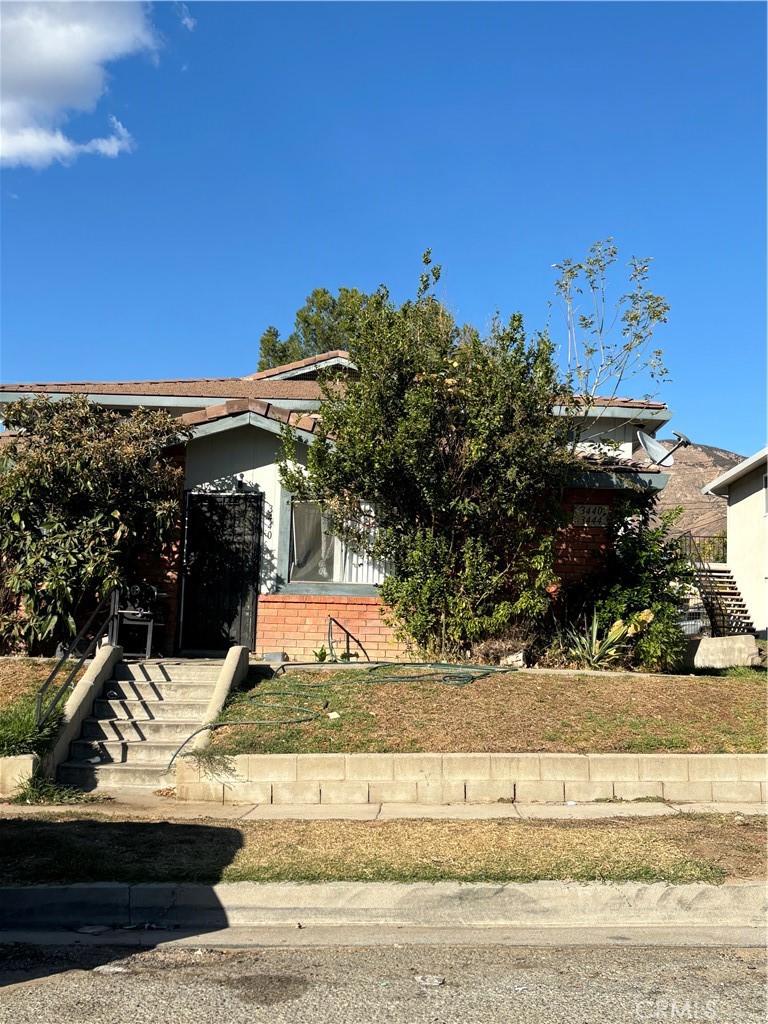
[(379, 904)]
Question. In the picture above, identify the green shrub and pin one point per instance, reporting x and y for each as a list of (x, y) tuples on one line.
[(18, 733), (643, 570), (39, 790)]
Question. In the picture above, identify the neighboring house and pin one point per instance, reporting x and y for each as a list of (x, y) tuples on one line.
[(746, 488), (253, 567)]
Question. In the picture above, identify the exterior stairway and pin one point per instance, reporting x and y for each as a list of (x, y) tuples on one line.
[(144, 713), (722, 599)]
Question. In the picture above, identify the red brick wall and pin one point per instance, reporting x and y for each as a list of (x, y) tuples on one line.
[(579, 549), (298, 625)]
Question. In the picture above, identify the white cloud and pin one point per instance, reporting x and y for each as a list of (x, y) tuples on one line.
[(185, 17), (53, 63)]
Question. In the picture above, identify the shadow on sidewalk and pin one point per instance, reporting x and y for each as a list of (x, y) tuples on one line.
[(145, 882)]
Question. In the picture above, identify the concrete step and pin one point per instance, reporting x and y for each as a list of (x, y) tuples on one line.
[(137, 753), (128, 689), (113, 776), (181, 671), (120, 729), (141, 710)]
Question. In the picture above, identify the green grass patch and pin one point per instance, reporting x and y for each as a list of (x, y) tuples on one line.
[(20, 680), (38, 790), (18, 733)]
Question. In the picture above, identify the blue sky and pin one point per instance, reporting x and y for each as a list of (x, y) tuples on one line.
[(194, 172)]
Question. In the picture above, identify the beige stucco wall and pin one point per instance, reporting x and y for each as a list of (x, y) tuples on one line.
[(596, 432), (748, 543)]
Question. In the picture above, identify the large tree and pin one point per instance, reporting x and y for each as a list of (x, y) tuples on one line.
[(84, 492), (324, 323), (449, 439)]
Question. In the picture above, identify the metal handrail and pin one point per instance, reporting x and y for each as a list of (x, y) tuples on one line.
[(113, 598), (348, 636), (710, 548), (718, 616)]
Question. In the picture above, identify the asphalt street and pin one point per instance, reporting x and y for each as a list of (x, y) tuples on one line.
[(76, 984)]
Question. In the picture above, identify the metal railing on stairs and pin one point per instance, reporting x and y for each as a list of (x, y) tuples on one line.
[(708, 581), (107, 626), (708, 549)]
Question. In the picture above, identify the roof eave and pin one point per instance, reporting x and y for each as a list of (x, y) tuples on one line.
[(721, 484), (629, 414), (322, 361)]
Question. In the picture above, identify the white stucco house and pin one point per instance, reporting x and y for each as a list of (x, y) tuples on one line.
[(746, 488)]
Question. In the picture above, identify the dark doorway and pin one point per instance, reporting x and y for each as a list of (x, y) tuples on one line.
[(220, 586)]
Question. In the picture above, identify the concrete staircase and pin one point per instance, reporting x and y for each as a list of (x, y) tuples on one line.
[(723, 599), (144, 713)]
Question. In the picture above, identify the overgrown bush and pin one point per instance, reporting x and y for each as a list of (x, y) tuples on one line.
[(448, 439), (643, 569), (84, 492)]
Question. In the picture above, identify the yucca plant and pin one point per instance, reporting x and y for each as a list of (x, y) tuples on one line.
[(590, 650)]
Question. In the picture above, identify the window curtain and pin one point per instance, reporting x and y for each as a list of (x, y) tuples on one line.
[(313, 547), (319, 557)]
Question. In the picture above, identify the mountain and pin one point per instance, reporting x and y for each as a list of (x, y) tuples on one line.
[(704, 515)]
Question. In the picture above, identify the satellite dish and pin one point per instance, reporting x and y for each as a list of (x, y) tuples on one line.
[(656, 451)]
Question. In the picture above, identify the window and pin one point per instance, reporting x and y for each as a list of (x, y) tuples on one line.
[(319, 557)]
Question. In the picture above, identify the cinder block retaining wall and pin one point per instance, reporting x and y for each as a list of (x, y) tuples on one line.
[(479, 778)]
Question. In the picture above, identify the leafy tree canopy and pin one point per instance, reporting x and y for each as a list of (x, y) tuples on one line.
[(324, 323), (84, 491), (448, 436), (644, 570)]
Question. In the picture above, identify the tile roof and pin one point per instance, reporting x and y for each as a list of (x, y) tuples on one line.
[(301, 364), (620, 403), (212, 387), (613, 464), (259, 386), (300, 420)]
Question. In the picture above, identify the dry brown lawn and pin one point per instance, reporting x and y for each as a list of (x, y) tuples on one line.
[(520, 711), (88, 845), (22, 677)]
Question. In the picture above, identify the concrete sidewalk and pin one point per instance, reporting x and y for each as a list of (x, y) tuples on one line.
[(372, 913), (362, 936), (146, 804)]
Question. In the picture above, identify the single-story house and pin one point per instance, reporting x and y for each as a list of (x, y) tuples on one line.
[(253, 567), (746, 488)]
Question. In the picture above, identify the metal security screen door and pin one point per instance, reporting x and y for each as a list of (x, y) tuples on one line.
[(220, 586)]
